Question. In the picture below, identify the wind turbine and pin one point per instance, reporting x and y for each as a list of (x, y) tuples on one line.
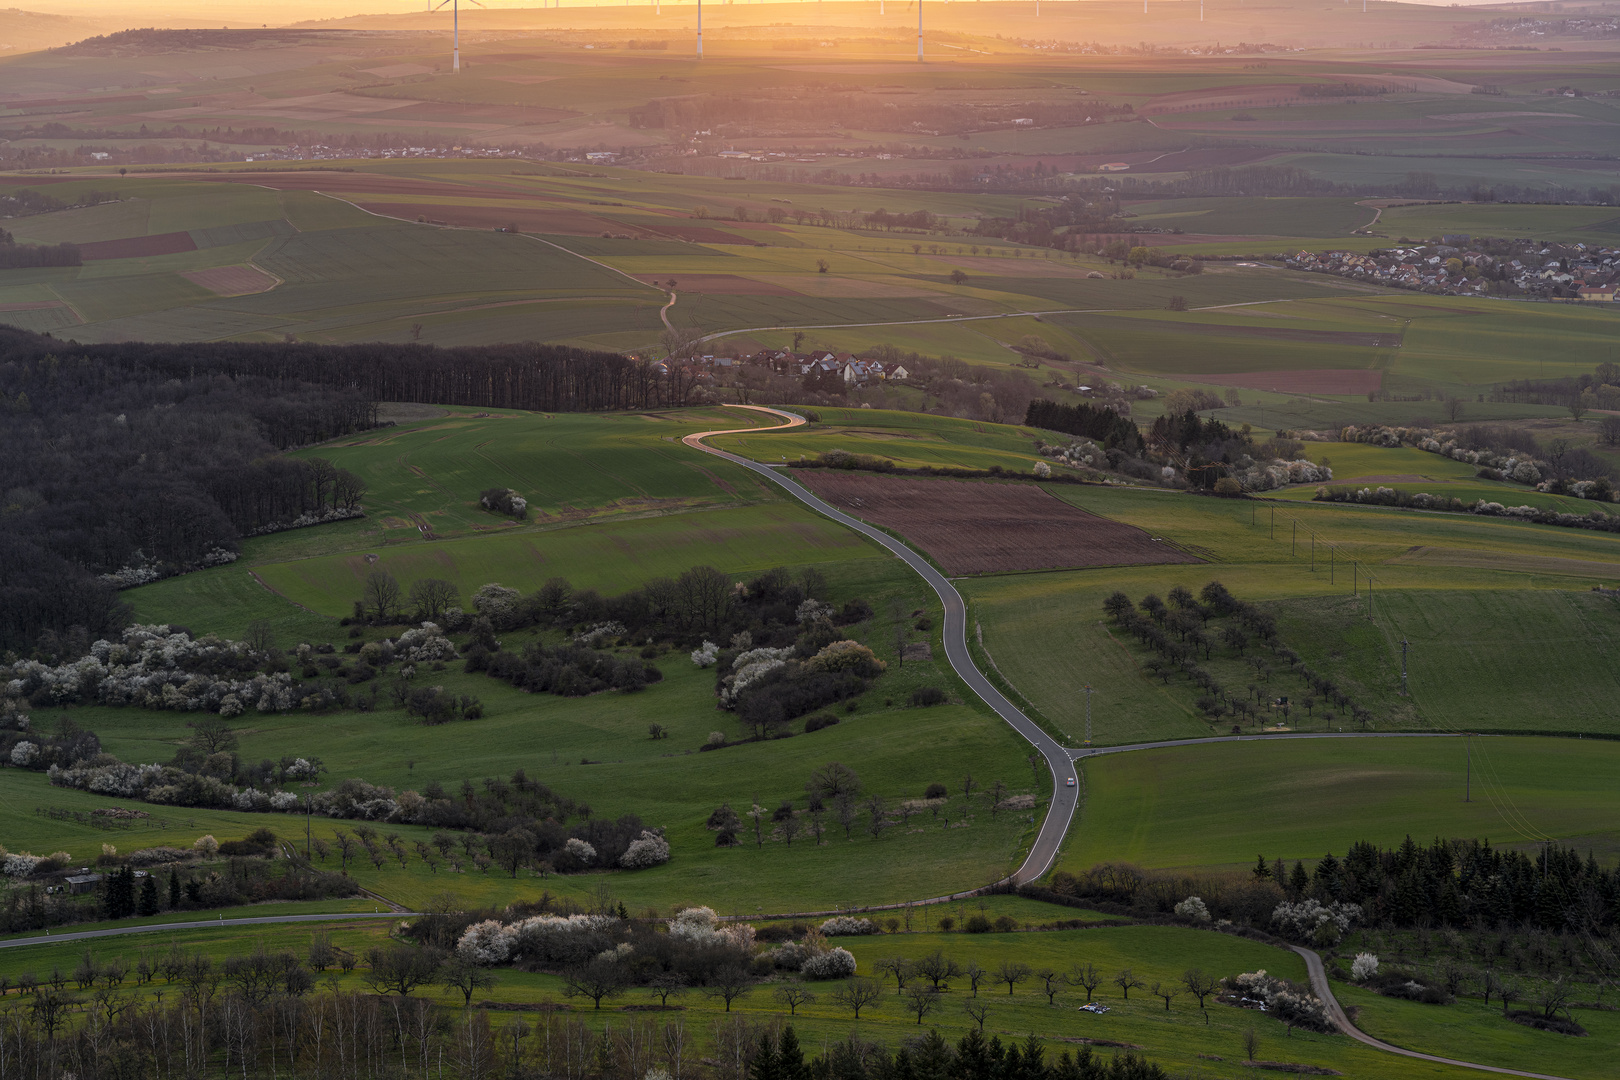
[(455, 32), (700, 30)]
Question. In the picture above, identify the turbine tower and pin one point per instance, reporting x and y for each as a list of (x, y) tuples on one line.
[(700, 30), (455, 32), (919, 32)]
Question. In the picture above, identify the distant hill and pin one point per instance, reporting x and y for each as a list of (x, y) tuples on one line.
[(29, 31)]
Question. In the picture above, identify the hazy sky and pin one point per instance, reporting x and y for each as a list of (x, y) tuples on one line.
[(244, 12)]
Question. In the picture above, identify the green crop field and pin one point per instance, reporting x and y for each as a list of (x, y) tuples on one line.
[(1261, 217), (1303, 798)]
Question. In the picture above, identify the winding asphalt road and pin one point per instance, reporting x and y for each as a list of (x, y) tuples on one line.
[(1059, 759), (1044, 850)]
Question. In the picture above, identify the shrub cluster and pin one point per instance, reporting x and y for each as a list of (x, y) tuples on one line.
[(499, 500)]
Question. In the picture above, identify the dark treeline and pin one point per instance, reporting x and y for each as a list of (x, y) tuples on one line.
[(14, 256), (550, 378), (1458, 883), (112, 466), (1105, 427)]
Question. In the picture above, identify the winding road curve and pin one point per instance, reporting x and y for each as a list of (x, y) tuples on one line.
[(1043, 852), (1060, 759)]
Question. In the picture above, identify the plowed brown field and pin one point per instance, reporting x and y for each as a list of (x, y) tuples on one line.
[(980, 527)]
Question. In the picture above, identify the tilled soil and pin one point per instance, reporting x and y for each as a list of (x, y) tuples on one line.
[(985, 527)]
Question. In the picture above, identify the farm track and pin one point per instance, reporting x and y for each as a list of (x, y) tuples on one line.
[(1043, 852)]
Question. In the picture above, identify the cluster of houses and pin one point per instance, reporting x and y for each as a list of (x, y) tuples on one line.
[(847, 367), (1478, 266)]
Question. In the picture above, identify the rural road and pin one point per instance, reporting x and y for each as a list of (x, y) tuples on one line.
[(1044, 850), (1336, 1013), (1064, 799)]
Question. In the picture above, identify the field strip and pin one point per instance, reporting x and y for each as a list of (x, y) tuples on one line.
[(196, 924), (958, 319), (1097, 751), (467, 228), (1043, 852)]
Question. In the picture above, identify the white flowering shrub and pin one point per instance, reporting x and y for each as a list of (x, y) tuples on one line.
[(694, 924), (153, 668), (1193, 908), (486, 943), (593, 637), (18, 864), (1301, 919), (1364, 965), (650, 849), (580, 850), (230, 705), (304, 521), (303, 769), (832, 964), (498, 604), (1282, 999), (848, 925), (24, 754), (284, 802), (424, 644), (811, 610), (251, 799), (706, 654), (207, 845), (1043, 470)]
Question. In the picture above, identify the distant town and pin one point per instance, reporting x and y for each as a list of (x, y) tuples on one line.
[(1480, 266)]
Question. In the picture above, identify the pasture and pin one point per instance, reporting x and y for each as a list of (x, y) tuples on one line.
[(1300, 799)]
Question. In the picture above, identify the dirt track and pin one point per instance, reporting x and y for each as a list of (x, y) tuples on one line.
[(977, 527)]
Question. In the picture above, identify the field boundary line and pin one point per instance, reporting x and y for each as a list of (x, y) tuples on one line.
[(1060, 811), (469, 228), (1341, 1020)]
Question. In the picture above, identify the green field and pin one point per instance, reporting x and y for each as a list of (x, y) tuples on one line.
[(1304, 798)]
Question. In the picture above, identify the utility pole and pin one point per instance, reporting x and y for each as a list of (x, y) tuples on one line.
[(1404, 644), (1088, 714), (919, 32)]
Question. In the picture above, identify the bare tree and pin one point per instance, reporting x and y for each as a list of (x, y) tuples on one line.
[(379, 595), (431, 596), (1251, 1043), (1508, 991), (1165, 991), (1012, 973), (921, 1000), (1051, 981), (793, 995), (857, 993), (1199, 983), (666, 984), (1553, 998), (833, 781), (1087, 976), (902, 630), (898, 967), (969, 786), (399, 969), (977, 1010), (877, 818), (975, 975), (998, 792), (595, 979), (729, 983), (847, 815), (1127, 981), (458, 974), (937, 968)]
